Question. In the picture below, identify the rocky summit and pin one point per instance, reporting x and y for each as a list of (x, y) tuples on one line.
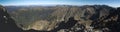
[(60, 18)]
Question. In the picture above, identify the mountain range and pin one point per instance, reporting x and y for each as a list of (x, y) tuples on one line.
[(61, 18)]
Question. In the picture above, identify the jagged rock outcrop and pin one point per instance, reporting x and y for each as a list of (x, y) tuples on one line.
[(87, 18), (7, 24)]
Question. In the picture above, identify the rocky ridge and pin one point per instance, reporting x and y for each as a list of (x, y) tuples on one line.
[(88, 18)]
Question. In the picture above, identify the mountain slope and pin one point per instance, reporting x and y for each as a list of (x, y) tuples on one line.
[(67, 18)]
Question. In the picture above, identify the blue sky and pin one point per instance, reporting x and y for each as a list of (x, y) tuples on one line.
[(114, 3)]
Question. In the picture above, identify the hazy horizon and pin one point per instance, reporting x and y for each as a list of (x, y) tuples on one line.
[(113, 3)]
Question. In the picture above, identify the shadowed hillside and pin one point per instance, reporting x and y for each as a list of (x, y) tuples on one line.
[(7, 24)]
